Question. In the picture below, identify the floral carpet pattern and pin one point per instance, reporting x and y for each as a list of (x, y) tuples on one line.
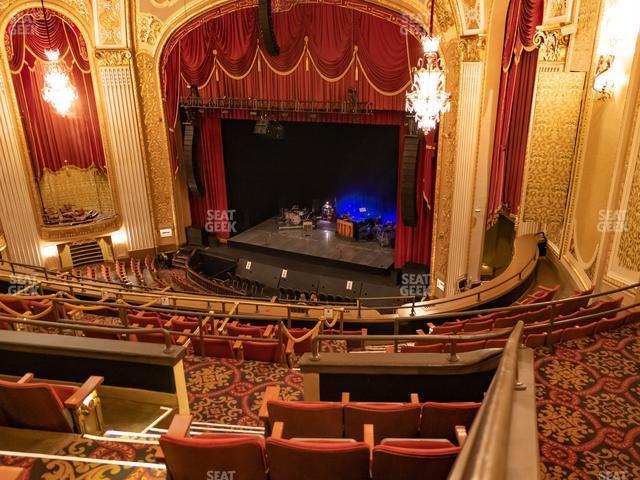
[(588, 402)]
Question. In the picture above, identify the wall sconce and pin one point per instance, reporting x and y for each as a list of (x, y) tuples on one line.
[(604, 81), (50, 257)]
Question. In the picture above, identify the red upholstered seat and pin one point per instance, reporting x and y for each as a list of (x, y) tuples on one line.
[(433, 348), (388, 420), (610, 323), (235, 330), (535, 340), (36, 406), (195, 458), (507, 322), (462, 347), (261, 351), (178, 325), (478, 326), (442, 329), (213, 347), (303, 460), (146, 320), (632, 317), (307, 419), (538, 327), (440, 419), (496, 343), (417, 442), (392, 462), (301, 347), (555, 336), (578, 332), (574, 304), (14, 303)]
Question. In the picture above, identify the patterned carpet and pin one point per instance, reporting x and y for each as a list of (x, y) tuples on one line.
[(588, 398)]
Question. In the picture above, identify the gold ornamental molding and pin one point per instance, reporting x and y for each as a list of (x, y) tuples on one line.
[(473, 48), (552, 45), (110, 21), (113, 58), (3, 242), (551, 151), (149, 28), (81, 232), (156, 145)]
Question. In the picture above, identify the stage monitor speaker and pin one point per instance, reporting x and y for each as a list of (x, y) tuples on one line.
[(300, 281), (337, 287), (191, 162), (267, 275), (266, 27), (196, 236), (408, 181)]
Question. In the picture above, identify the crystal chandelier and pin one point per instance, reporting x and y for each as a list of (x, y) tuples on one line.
[(428, 98), (58, 90)]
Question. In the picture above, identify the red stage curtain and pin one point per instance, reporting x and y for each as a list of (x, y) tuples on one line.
[(54, 140), (209, 209), (413, 244), (519, 66)]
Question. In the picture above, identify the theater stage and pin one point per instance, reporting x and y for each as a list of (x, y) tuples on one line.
[(319, 243)]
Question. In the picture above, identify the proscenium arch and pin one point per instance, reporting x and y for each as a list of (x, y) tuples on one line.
[(85, 29), (414, 11)]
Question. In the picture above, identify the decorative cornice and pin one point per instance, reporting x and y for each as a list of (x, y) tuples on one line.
[(473, 48), (76, 232), (113, 58), (552, 45)]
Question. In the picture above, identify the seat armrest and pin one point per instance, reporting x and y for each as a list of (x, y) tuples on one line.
[(180, 426), (268, 331), (183, 339), (431, 326), (461, 434), (278, 428), (85, 390), (345, 397), (420, 331), (26, 378), (369, 438), (415, 398), (289, 353), (271, 393)]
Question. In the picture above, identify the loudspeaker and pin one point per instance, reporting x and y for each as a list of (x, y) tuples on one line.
[(266, 27), (191, 162), (196, 236), (408, 180)]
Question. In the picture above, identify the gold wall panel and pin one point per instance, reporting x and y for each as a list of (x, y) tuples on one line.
[(86, 189), (587, 24), (629, 250), (550, 154)]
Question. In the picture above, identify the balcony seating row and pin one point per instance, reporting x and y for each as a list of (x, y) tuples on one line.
[(275, 458)]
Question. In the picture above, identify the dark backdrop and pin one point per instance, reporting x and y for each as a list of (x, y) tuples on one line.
[(355, 164)]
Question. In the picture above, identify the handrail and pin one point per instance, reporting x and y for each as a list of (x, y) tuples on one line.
[(483, 454)]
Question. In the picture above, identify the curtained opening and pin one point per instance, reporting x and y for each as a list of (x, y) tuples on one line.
[(325, 51), (517, 84)]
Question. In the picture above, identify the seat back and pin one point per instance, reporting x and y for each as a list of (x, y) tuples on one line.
[(196, 458), (235, 330), (440, 419), (466, 346), (35, 406), (535, 340), (388, 420), (396, 462), (441, 329), (307, 419), (575, 303), (146, 321), (578, 332), (261, 351), (478, 326), (14, 303), (304, 346), (297, 460), (433, 348), (213, 347)]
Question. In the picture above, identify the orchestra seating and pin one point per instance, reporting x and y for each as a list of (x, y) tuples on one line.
[(51, 407)]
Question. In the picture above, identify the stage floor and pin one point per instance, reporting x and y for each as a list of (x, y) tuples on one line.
[(320, 242)]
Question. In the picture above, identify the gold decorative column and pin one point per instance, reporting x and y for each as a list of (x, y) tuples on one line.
[(17, 214), (125, 132)]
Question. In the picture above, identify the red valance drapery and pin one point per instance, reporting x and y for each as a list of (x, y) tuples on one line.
[(519, 68), (54, 140)]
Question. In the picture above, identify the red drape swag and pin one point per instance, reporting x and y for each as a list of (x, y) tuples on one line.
[(413, 244), (519, 67), (54, 140)]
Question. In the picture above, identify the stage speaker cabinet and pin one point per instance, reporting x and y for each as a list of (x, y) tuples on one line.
[(190, 159), (266, 27), (408, 182), (196, 236)]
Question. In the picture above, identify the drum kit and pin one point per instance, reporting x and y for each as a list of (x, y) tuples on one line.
[(295, 216)]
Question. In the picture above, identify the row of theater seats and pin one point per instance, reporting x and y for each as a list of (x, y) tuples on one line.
[(328, 440), (538, 335), (51, 407)]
